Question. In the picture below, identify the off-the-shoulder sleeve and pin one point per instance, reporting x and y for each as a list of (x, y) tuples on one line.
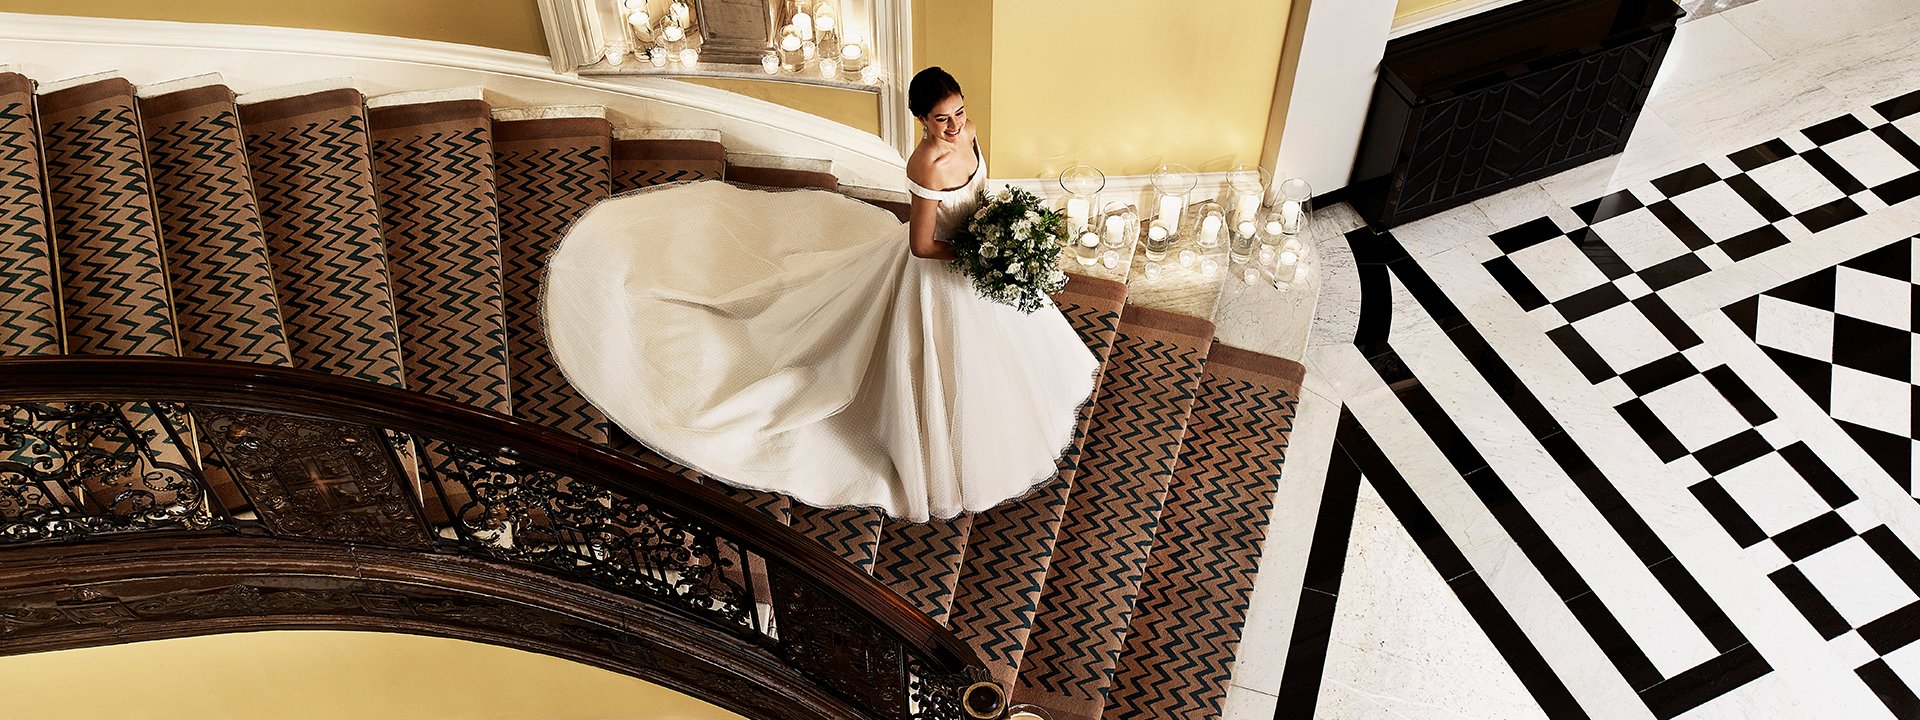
[(915, 188)]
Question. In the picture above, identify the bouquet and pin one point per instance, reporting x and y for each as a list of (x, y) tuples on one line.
[(1009, 249)]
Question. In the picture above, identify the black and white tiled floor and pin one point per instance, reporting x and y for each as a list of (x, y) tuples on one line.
[(1651, 451)]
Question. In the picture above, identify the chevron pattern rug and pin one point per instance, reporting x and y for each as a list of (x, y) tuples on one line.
[(851, 533), (548, 172), (313, 177), (1181, 643), (646, 163), (113, 271), (216, 249), (1112, 513), (433, 169), (1011, 547), (29, 290)]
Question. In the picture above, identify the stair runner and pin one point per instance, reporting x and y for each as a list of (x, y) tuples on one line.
[(404, 245)]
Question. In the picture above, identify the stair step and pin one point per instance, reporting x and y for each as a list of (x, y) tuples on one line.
[(777, 171), (851, 533), (549, 172), (313, 177), (921, 561), (1185, 631), (113, 269), (1011, 548), (433, 170), (1108, 530), (424, 97), (170, 87), (29, 280), (645, 158), (223, 282), (893, 201)]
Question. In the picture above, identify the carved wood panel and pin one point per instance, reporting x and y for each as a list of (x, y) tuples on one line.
[(830, 643), (317, 480)]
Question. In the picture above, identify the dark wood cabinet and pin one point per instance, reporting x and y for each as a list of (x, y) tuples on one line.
[(1489, 102)]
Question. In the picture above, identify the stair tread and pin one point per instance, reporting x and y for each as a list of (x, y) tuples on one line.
[(29, 284), (1183, 638), (1108, 529), (645, 163), (1010, 548), (313, 177), (113, 269), (223, 283), (548, 172), (433, 172)]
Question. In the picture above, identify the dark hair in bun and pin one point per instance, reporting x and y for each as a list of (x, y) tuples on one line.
[(929, 87)]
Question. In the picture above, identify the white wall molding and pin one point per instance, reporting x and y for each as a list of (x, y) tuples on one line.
[(1442, 15), (253, 58), (1340, 55), (1135, 190)]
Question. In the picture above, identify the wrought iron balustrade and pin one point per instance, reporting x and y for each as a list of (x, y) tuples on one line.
[(147, 497)]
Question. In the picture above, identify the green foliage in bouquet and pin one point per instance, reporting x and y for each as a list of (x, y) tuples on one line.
[(1009, 249)]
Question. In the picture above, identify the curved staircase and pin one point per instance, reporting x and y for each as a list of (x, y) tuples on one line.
[(402, 240)]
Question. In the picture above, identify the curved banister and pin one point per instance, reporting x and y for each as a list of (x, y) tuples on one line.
[(313, 394)]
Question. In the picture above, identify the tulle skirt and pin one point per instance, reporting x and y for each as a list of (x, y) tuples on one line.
[(788, 341)]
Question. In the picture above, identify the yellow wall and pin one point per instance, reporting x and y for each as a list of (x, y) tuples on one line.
[(324, 675), (958, 36), (853, 108), (1409, 7), (1125, 85)]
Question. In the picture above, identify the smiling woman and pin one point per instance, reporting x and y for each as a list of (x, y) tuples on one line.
[(321, 675)]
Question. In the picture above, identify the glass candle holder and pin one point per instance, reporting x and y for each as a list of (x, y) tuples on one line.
[(791, 57), (1293, 206), (1240, 245), (1247, 186), (1172, 184), (1157, 243), (1213, 226), (1119, 225), (853, 60), (1086, 246), (1082, 184)]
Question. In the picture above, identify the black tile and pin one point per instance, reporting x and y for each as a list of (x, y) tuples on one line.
[(1333, 527), (1818, 476), (1601, 254), (1836, 129), (1814, 290), (1652, 430), (1698, 605), (1704, 682), (1370, 248), (1620, 649), (1757, 197), (1431, 297), (1590, 302), (1872, 347), (1899, 107), (1815, 377), (1763, 154), (1802, 541), (1376, 305), (1606, 498), (1738, 524), (1306, 655), (1442, 430), (1516, 283), (1680, 225), (1831, 214), (1667, 322), (1841, 179), (1746, 315), (1686, 181), (1900, 143), (1753, 242), (1658, 374), (1501, 378), (1736, 391), (1392, 370), (1675, 271), (1725, 455), (1525, 235), (1894, 192), (1893, 260), (1513, 644), (1607, 208), (1813, 606), (1898, 557), (1893, 631), (1892, 691)]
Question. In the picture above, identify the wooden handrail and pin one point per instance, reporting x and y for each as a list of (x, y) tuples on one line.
[(71, 378)]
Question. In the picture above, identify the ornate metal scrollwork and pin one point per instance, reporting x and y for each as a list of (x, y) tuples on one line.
[(71, 470), (836, 647), (505, 509), (316, 479)]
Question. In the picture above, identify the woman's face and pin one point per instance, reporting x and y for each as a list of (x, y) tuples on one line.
[(947, 118)]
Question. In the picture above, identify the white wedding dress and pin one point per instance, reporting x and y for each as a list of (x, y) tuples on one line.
[(788, 341)]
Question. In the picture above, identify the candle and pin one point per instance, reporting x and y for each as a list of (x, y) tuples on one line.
[(1290, 216), (1250, 276), (790, 42), (1116, 230), (633, 4), (1110, 259), (1288, 257), (1245, 228), (1170, 207), (803, 23), (1089, 239), (829, 68), (1077, 210), (1152, 272), (1156, 232), (770, 62), (1246, 205), (1188, 258), (616, 54), (658, 57), (674, 34), (870, 74), (808, 49), (1283, 276), (640, 21), (1209, 267), (1210, 230), (1274, 227), (1266, 255), (681, 13), (850, 51), (689, 56), (823, 24)]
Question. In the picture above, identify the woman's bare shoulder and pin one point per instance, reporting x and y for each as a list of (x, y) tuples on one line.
[(928, 159)]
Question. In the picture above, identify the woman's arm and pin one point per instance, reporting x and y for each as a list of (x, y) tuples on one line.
[(921, 218)]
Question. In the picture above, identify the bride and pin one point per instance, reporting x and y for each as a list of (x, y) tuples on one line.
[(805, 343)]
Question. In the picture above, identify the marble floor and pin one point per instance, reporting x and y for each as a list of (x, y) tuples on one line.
[(1636, 440)]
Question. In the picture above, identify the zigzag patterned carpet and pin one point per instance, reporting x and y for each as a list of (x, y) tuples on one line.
[(29, 291), (313, 177), (433, 169), (645, 163), (1186, 625), (1111, 518), (113, 272), (222, 281), (548, 173)]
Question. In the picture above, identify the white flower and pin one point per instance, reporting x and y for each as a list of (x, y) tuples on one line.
[(1006, 195), (988, 250)]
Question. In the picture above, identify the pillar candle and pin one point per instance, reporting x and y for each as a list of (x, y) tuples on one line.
[(1210, 231), (1290, 216), (803, 23), (673, 34), (1089, 239), (1077, 209), (1116, 230), (1170, 207), (1246, 205), (1245, 228)]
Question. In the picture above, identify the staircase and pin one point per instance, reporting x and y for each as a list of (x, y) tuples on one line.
[(402, 239)]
